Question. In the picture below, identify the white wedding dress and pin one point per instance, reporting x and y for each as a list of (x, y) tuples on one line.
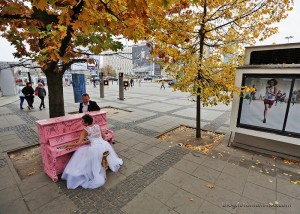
[(84, 168)]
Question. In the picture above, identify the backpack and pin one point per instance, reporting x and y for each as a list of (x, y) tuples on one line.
[(36, 92)]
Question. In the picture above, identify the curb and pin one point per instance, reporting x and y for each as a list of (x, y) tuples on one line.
[(12, 168), (4, 100)]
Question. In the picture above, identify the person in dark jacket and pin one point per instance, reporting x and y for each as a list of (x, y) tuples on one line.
[(41, 93), (88, 105), (29, 95)]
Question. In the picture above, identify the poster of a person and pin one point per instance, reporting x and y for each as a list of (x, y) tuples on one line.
[(261, 111)]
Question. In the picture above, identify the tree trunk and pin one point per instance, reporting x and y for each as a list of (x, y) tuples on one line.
[(55, 92), (198, 114), (201, 46)]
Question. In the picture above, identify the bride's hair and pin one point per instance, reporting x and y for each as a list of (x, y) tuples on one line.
[(87, 119)]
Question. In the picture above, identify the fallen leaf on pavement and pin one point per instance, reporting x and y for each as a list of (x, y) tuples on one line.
[(210, 186)]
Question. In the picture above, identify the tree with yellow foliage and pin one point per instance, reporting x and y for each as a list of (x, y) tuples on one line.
[(201, 42), (58, 33)]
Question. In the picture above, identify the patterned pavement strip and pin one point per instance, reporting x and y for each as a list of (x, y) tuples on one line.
[(112, 200)]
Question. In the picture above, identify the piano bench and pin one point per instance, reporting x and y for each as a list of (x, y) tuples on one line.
[(104, 162)]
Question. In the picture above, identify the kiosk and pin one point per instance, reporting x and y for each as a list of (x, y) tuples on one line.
[(268, 119)]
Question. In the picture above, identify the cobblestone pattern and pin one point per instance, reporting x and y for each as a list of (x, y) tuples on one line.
[(6, 129), (7, 114), (29, 119), (3, 163), (112, 200), (213, 125), (26, 134), (218, 122)]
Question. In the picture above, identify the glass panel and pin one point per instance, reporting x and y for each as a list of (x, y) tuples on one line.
[(293, 121), (266, 107)]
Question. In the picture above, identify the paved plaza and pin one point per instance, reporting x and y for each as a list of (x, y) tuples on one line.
[(157, 177)]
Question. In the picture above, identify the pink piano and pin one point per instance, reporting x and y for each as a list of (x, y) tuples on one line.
[(56, 132)]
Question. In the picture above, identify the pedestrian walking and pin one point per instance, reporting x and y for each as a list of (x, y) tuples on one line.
[(22, 97), (94, 82), (131, 83), (29, 95), (41, 81), (163, 85), (41, 93), (140, 81)]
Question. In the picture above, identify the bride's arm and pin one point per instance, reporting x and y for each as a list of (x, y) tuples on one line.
[(102, 133), (83, 135)]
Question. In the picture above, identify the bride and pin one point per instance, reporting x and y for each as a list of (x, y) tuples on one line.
[(84, 168)]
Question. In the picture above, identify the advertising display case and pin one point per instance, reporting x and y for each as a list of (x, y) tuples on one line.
[(268, 119)]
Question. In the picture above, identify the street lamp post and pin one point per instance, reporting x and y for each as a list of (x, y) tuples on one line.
[(288, 38)]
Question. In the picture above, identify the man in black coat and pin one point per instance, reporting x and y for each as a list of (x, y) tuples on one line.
[(29, 94), (87, 104)]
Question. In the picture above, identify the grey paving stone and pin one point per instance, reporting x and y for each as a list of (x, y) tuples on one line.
[(143, 203), (262, 180), (5, 110), (184, 202), (113, 178), (4, 123), (143, 147), (207, 174), (130, 142), (42, 196), (154, 151), (209, 208), (129, 167), (7, 142), (13, 146), (10, 136), (163, 146), (174, 176), (214, 164), (288, 188), (32, 183), (17, 206), (236, 171), (7, 178), (289, 205), (5, 133), (186, 166), (259, 194), (9, 194), (61, 204), (129, 153), (161, 190), (248, 206), (231, 183), (142, 158), (218, 196), (195, 157), (119, 147)]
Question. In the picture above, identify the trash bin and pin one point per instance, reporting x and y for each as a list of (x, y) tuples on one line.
[(79, 87)]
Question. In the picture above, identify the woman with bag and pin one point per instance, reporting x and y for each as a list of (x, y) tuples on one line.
[(41, 93)]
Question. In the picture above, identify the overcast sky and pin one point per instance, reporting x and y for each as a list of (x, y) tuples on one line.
[(287, 27)]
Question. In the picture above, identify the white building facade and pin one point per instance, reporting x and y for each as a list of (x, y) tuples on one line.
[(132, 60)]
